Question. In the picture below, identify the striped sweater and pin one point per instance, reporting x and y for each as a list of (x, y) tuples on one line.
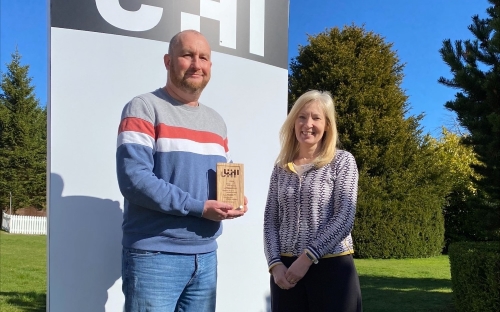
[(165, 161), (313, 211)]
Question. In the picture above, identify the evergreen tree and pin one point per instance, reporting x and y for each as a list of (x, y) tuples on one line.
[(401, 188), (475, 67), (3, 118), (23, 139)]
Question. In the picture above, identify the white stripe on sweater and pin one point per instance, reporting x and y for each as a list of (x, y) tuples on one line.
[(135, 138), (182, 145)]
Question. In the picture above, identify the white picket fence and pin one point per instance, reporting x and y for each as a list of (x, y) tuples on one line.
[(24, 224)]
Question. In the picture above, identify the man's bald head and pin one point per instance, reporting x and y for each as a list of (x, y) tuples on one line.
[(176, 39)]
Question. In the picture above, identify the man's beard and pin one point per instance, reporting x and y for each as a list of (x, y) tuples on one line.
[(185, 84)]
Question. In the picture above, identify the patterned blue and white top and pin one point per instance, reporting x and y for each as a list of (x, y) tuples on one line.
[(313, 211)]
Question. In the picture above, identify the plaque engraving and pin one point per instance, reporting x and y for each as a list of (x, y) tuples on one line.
[(230, 184)]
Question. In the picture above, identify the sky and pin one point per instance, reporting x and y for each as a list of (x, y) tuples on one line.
[(416, 28)]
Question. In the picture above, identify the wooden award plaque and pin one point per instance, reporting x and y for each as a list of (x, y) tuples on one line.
[(230, 184)]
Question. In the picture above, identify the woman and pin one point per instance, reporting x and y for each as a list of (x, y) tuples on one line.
[(310, 212)]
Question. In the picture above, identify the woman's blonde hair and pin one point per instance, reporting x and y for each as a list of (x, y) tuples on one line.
[(288, 140)]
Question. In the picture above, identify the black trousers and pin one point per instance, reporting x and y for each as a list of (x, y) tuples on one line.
[(332, 285)]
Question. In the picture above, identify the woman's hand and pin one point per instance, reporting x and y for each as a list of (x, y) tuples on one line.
[(298, 269), (278, 273)]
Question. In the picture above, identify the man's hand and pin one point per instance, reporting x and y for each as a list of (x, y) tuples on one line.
[(235, 213), (245, 205), (278, 273), (216, 210)]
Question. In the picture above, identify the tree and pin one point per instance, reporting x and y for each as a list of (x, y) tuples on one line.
[(475, 68), (3, 118), (23, 139), (461, 218), (401, 188)]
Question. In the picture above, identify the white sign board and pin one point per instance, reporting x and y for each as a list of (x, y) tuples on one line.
[(103, 53)]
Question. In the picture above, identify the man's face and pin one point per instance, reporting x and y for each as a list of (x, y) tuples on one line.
[(190, 65)]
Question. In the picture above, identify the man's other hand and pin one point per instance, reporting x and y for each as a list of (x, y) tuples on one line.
[(215, 210)]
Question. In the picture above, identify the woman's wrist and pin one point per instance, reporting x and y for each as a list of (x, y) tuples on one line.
[(304, 259), (310, 256), (274, 266)]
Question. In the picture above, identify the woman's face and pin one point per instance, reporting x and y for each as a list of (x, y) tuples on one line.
[(310, 125)]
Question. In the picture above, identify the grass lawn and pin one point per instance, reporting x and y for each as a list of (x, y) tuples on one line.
[(23, 261), (408, 285)]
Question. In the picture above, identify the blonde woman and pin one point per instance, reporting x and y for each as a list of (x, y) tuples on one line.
[(310, 212)]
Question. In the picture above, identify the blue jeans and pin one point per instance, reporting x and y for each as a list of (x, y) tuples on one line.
[(168, 282)]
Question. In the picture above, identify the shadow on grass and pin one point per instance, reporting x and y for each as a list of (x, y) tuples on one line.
[(27, 301), (385, 294)]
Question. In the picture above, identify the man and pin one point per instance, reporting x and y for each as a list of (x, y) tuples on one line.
[(168, 148)]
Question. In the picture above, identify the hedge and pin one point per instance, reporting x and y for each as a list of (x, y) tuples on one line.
[(388, 227), (475, 276)]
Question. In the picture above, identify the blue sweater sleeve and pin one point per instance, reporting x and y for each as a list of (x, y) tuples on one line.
[(134, 165)]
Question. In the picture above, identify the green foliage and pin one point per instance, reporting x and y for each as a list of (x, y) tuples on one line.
[(475, 66), (475, 276), (23, 139), (462, 221), (458, 159), (401, 187), (387, 227)]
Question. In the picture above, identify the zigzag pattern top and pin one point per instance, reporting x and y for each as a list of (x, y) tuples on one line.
[(313, 211)]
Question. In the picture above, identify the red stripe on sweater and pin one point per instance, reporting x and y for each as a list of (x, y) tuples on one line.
[(170, 132), (136, 125)]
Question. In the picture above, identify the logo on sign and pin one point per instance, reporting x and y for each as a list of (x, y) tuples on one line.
[(230, 173), (225, 11)]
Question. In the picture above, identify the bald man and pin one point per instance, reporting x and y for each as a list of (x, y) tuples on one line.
[(168, 147)]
